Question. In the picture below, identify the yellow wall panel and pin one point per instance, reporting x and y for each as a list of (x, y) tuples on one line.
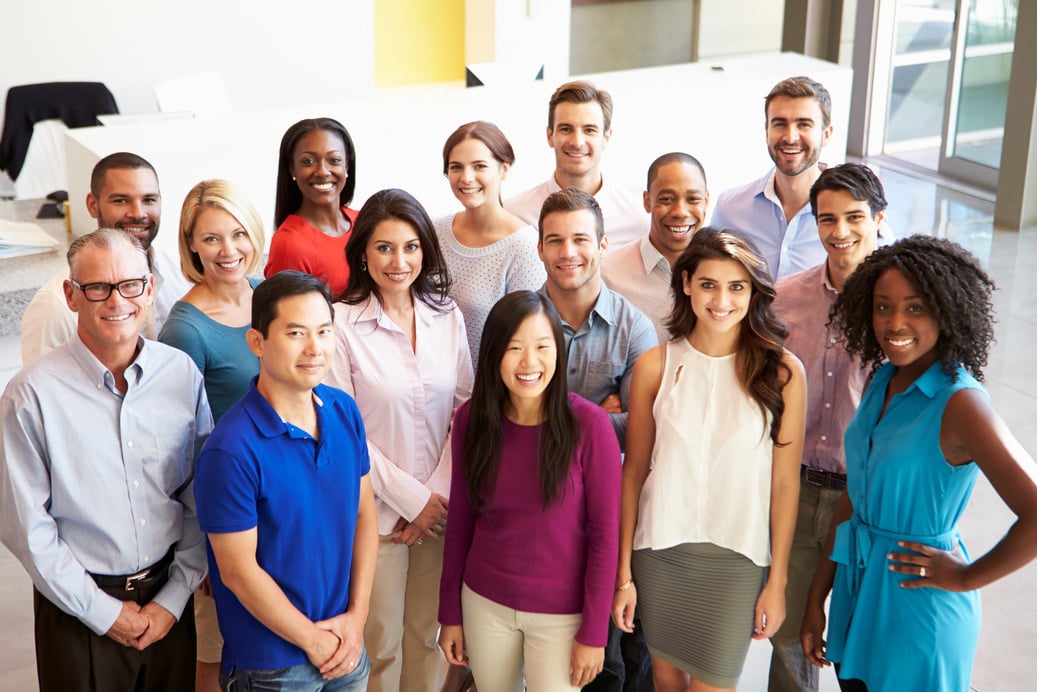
[(418, 41)]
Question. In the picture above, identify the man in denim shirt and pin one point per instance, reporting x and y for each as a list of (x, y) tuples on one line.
[(605, 334)]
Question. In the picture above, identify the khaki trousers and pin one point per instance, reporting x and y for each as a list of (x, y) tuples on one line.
[(502, 641), (402, 625)]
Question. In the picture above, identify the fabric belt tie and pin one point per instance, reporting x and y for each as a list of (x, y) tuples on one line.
[(853, 541)]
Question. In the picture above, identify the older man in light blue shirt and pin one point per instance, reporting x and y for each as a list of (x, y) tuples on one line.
[(96, 498)]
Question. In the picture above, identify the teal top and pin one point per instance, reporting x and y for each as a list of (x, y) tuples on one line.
[(902, 488), (220, 352)]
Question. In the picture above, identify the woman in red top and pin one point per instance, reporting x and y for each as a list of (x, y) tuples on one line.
[(316, 177)]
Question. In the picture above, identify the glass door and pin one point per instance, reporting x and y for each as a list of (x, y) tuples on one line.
[(974, 128), (948, 86)]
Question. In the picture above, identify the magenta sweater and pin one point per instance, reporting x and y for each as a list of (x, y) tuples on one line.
[(559, 560)]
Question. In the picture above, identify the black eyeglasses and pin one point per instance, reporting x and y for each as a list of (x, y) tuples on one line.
[(98, 292)]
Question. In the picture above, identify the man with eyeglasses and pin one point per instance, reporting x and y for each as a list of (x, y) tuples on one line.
[(96, 485), (123, 194)]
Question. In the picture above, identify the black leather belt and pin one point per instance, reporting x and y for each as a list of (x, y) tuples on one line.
[(822, 479), (150, 577)]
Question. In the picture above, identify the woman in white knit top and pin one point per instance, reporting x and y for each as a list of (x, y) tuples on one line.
[(489, 252)]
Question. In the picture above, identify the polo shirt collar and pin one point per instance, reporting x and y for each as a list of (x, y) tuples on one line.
[(266, 419)]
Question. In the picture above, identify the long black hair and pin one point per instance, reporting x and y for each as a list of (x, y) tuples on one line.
[(288, 197), (484, 437)]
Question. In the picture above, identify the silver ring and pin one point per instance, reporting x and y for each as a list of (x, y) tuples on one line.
[(921, 573), (419, 541)]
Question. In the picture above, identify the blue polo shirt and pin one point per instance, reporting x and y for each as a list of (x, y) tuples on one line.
[(302, 494)]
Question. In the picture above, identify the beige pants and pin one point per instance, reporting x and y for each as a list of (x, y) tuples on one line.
[(210, 641), (500, 640), (402, 625)]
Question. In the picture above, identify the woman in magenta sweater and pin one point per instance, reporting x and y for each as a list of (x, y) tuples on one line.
[(534, 513)]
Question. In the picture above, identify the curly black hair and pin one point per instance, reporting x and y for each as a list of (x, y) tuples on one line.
[(957, 292)]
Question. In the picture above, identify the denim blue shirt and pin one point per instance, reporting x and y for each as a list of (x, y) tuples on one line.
[(93, 480), (602, 352)]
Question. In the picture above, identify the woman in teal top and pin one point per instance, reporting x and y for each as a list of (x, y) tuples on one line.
[(905, 611), (221, 243)]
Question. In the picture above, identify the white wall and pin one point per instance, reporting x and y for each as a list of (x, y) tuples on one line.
[(269, 53), (532, 31)]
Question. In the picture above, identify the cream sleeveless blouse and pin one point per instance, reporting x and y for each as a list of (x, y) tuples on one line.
[(710, 480)]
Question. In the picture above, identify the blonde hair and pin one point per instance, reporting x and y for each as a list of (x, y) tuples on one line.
[(226, 196)]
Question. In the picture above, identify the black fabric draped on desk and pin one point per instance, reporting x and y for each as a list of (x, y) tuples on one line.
[(77, 104)]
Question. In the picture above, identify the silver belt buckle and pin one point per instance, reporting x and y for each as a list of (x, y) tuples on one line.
[(134, 578)]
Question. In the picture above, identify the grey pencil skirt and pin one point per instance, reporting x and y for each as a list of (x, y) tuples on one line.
[(697, 603)]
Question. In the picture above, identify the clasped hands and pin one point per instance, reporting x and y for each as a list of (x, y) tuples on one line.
[(140, 626), (429, 523)]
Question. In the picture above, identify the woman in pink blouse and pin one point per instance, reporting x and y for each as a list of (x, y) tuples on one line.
[(401, 351), (534, 518)]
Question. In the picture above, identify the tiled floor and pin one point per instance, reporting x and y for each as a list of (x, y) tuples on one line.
[(1006, 661)]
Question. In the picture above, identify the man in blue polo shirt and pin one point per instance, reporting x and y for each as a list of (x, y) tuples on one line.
[(283, 493)]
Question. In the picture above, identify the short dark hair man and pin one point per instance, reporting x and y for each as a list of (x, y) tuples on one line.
[(604, 334), (849, 204), (285, 499), (676, 198), (99, 442), (579, 126), (772, 211), (123, 194)]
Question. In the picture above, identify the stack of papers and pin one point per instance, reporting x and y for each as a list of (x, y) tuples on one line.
[(18, 239)]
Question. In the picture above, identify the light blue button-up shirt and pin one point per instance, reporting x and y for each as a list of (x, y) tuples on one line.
[(755, 210), (94, 481)]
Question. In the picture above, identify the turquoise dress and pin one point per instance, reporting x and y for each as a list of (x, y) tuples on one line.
[(902, 488)]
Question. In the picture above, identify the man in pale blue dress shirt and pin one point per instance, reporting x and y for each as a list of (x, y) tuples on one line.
[(605, 335), (774, 211), (96, 499)]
